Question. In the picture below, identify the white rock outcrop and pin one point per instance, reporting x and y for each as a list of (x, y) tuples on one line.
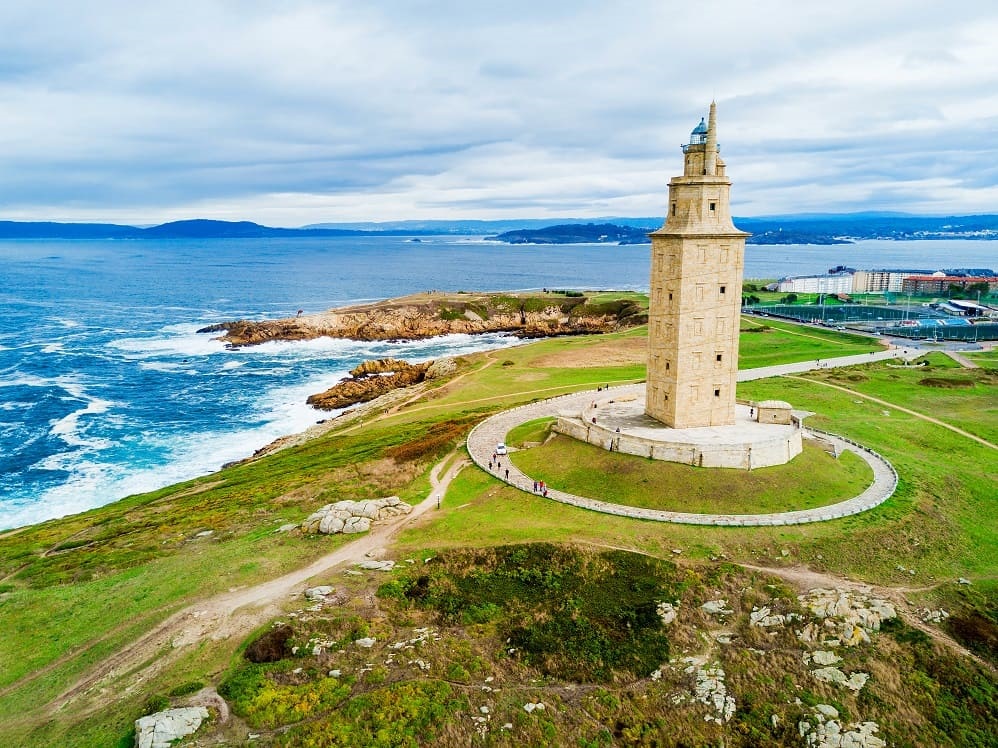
[(710, 690), (375, 565), (717, 607), (318, 593), (827, 731), (849, 616), (160, 730), (825, 657), (833, 675), (354, 516), (666, 612)]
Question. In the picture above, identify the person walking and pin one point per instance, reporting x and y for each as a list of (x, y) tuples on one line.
[(507, 473)]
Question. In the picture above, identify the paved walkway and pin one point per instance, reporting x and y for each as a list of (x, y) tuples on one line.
[(965, 362), (483, 439)]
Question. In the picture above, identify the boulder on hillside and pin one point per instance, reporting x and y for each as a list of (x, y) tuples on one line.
[(354, 516), (162, 729)]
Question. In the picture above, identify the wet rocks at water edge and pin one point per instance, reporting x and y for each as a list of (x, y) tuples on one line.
[(354, 516)]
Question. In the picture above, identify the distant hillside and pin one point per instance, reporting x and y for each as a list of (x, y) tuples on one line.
[(483, 228), (587, 233), (790, 229), (50, 230), (868, 226), (192, 229), (812, 229)]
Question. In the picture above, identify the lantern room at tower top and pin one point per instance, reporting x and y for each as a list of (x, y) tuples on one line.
[(698, 136)]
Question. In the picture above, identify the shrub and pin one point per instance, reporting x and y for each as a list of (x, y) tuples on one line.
[(184, 689), (155, 704), (571, 614), (436, 440)]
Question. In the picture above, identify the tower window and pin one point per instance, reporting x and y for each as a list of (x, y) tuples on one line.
[(673, 209), (723, 289), (667, 365), (719, 357), (713, 206), (717, 393), (670, 297)]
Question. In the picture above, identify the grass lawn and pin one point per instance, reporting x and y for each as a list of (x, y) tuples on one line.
[(814, 478), (986, 359), (964, 398), (603, 297), (530, 433), (768, 343)]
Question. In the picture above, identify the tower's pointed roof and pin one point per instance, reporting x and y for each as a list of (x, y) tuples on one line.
[(700, 129)]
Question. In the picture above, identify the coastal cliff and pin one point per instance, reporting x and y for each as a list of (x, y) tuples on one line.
[(370, 380), (431, 314)]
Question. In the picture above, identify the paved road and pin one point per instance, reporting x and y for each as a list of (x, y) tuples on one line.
[(483, 439)]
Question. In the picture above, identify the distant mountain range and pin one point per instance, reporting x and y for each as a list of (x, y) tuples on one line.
[(791, 229)]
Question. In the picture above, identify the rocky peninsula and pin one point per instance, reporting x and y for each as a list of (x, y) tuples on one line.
[(526, 315)]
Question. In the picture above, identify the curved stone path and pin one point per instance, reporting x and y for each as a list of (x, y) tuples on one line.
[(485, 436)]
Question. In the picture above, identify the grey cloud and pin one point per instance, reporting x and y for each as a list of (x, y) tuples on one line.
[(179, 103)]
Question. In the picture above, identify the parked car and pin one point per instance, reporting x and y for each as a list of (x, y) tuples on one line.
[(501, 449)]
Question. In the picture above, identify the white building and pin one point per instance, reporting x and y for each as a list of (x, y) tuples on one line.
[(833, 284)]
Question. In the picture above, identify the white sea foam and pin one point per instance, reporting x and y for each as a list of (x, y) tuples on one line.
[(167, 366), (67, 428), (178, 340), (233, 365)]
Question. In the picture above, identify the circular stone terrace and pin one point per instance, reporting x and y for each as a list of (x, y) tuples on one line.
[(485, 436)]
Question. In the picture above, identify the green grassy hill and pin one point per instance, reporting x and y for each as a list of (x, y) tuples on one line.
[(76, 594)]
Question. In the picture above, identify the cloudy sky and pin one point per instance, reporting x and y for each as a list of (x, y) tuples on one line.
[(292, 112)]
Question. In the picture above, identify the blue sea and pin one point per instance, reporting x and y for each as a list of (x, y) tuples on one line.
[(106, 388)]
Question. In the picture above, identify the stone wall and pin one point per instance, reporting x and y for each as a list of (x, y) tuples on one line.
[(760, 453)]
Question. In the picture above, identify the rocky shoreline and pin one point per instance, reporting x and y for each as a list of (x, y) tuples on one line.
[(432, 314), (372, 379)]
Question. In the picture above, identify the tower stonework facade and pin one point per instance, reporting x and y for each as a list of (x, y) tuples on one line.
[(696, 280)]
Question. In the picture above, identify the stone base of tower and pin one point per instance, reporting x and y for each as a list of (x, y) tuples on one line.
[(620, 425)]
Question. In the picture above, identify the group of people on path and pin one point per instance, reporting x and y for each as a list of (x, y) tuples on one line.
[(498, 464), (539, 486)]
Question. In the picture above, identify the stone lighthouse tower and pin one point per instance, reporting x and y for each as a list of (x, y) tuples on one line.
[(696, 281)]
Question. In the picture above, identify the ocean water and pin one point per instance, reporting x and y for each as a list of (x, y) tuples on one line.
[(106, 389)]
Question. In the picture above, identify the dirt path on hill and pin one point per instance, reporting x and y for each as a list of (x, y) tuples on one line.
[(915, 413), (232, 614)]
